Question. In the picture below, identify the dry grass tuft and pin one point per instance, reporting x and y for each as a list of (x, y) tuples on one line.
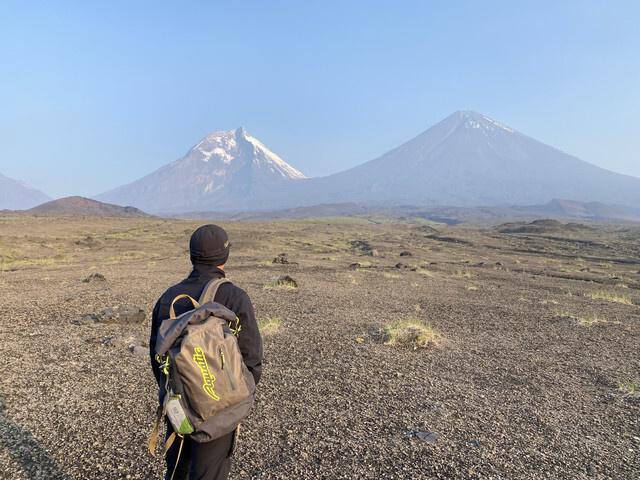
[(269, 325), (612, 297), (413, 332), (628, 386)]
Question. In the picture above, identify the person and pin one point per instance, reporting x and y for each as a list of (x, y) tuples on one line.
[(209, 251)]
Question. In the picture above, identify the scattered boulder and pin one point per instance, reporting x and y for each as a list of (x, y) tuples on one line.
[(406, 254), (353, 266), (374, 253), (88, 241), (122, 315), (139, 351), (282, 259), (378, 334), (95, 277), (585, 269), (402, 265), (136, 344), (499, 264), (286, 280), (473, 443), (361, 247), (428, 437), (87, 319)]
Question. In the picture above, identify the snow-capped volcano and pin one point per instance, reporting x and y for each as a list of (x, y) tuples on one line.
[(469, 159), (226, 147), (225, 170)]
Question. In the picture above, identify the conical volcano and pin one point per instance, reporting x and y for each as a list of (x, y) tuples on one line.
[(470, 160)]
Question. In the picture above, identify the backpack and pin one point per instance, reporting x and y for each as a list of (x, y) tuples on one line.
[(208, 388)]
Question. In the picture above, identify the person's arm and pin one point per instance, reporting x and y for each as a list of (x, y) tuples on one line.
[(152, 342), (249, 338)]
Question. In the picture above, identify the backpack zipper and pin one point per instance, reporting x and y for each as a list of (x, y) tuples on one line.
[(227, 370)]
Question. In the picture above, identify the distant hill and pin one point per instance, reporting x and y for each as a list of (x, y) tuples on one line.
[(17, 195), (226, 170), (85, 207), (585, 210)]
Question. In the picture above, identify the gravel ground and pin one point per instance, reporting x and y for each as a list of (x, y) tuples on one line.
[(533, 375)]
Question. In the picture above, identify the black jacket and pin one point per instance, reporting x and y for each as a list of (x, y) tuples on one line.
[(229, 295)]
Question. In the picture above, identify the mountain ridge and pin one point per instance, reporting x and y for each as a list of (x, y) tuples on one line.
[(466, 160)]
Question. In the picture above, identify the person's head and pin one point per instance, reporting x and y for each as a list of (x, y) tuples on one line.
[(209, 245)]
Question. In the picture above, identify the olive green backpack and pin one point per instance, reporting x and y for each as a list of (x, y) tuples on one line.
[(208, 388)]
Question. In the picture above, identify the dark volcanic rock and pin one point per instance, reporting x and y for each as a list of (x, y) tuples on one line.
[(287, 280), (362, 247), (95, 277), (282, 259)]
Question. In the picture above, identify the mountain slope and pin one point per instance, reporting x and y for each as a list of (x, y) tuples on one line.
[(225, 170), (16, 195), (469, 160)]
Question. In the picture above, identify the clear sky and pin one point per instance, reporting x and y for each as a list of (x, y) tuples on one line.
[(94, 95)]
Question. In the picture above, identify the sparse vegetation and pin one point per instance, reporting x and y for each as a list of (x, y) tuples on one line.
[(269, 325), (627, 386), (424, 271), (612, 297), (412, 331), (590, 320), (461, 273)]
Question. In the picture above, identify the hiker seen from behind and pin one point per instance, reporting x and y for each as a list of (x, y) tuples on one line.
[(206, 355)]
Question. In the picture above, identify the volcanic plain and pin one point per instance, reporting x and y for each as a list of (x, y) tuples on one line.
[(405, 350)]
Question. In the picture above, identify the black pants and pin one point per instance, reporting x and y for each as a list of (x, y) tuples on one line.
[(200, 461)]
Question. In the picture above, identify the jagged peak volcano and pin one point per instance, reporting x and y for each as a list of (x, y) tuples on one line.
[(232, 146), (225, 169)]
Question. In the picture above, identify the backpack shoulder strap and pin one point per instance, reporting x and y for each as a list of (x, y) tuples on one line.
[(210, 290)]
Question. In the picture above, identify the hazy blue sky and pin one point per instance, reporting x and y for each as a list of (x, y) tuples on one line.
[(97, 94)]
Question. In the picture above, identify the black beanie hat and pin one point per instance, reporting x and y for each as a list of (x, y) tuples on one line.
[(209, 245)]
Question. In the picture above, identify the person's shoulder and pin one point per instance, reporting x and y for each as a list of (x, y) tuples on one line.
[(172, 292), (232, 290), (234, 296)]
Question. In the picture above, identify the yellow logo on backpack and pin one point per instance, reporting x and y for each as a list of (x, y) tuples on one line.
[(209, 379)]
